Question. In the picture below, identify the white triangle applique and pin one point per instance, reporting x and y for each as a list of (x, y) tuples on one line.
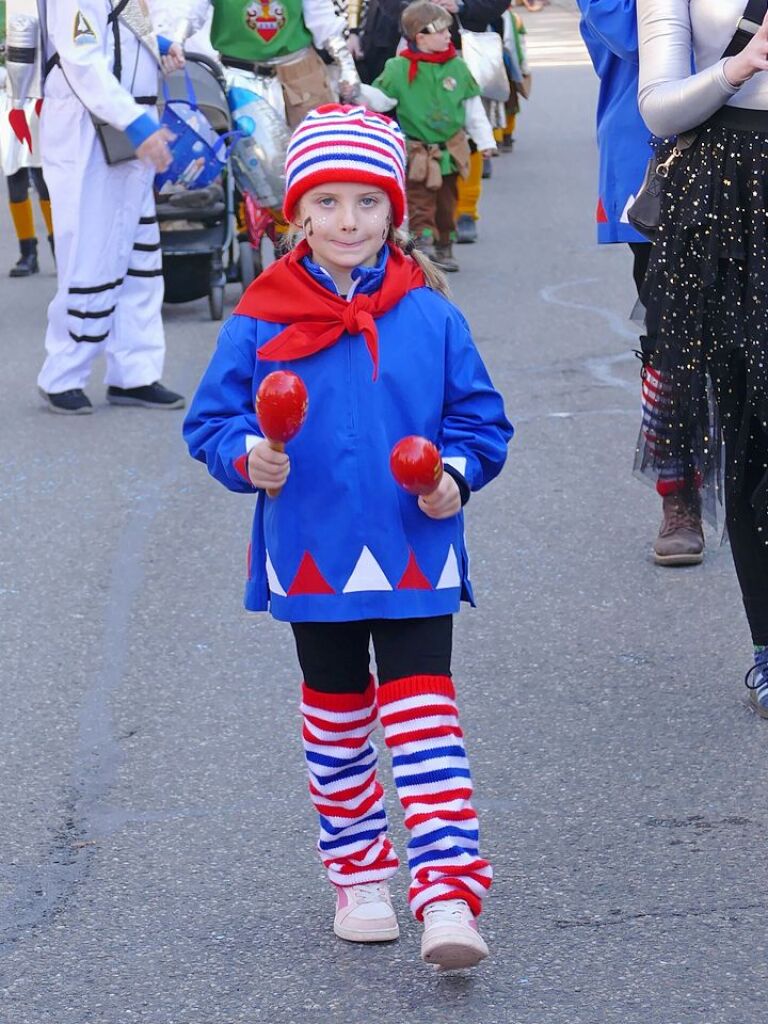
[(624, 218), (449, 577), (275, 585), (367, 575)]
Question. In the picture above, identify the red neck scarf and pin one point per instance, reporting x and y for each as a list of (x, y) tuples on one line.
[(316, 317), (416, 57)]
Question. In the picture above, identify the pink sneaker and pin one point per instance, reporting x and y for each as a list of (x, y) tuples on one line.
[(451, 940), (364, 913)]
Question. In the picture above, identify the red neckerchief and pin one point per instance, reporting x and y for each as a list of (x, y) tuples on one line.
[(317, 317), (416, 56)]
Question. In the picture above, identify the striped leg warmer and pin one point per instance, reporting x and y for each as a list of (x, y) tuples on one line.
[(421, 727), (345, 793), (655, 397)]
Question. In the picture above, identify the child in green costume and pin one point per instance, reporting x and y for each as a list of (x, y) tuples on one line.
[(438, 106)]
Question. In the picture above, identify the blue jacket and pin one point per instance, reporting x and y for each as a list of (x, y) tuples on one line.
[(343, 541), (609, 29)]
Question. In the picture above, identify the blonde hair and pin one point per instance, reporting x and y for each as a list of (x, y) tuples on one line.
[(434, 278)]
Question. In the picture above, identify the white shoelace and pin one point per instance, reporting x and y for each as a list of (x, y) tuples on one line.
[(456, 910), (372, 892)]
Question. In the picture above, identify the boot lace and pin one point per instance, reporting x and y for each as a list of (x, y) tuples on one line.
[(679, 515), (757, 677), (372, 892), (455, 909)]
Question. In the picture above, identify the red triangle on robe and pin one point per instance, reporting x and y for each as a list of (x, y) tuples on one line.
[(241, 465), (309, 579), (413, 578), (600, 214)]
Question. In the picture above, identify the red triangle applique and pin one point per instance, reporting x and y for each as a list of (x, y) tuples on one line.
[(600, 214), (309, 579), (413, 578)]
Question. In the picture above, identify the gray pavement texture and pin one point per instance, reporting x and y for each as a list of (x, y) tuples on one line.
[(156, 842)]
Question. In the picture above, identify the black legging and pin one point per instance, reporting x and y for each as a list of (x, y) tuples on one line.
[(750, 550), (18, 184), (334, 655), (641, 253)]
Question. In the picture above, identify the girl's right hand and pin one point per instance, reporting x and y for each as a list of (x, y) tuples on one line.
[(753, 58), (267, 468)]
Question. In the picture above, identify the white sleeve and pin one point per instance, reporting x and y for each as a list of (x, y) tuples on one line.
[(182, 18), (375, 99), (82, 38), (477, 125), (322, 21), (671, 99)]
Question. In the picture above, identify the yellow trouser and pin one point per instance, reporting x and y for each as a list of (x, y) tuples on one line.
[(470, 188)]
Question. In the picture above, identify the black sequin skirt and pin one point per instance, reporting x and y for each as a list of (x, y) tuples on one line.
[(707, 290)]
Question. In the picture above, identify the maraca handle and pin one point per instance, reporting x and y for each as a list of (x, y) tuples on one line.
[(276, 446)]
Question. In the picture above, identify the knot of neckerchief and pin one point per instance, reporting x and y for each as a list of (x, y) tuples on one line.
[(286, 293), (416, 57)]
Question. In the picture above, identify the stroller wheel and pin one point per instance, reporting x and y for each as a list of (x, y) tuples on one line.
[(216, 301), (248, 269)]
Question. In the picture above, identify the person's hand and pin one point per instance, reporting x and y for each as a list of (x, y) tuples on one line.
[(355, 46), (267, 468), (448, 5), (443, 502), (349, 92), (487, 152), (753, 58), (154, 150), (174, 60)]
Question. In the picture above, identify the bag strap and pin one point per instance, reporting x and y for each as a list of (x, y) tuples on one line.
[(746, 26), (191, 98)]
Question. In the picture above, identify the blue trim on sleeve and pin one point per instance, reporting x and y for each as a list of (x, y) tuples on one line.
[(164, 44), (138, 131)]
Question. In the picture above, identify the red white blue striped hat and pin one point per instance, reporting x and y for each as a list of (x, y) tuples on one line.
[(345, 143)]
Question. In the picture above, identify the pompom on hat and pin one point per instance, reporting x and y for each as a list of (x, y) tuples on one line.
[(338, 142)]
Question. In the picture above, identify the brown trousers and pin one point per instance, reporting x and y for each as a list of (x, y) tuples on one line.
[(433, 209)]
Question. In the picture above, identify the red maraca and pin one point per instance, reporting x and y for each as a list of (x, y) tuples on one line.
[(281, 407), (416, 465)]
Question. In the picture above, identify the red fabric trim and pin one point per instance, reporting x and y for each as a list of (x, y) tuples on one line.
[(316, 317), (394, 188), (600, 215), (340, 701), (414, 686), (417, 57), (241, 466)]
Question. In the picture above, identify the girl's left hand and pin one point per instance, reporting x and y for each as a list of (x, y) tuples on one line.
[(443, 502), (174, 60)]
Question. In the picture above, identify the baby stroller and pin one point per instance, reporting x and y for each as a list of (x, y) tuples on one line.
[(196, 226)]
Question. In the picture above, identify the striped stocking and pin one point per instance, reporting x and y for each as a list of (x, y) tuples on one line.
[(421, 727), (342, 783)]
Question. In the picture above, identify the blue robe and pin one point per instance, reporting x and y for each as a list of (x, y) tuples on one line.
[(343, 541), (609, 30)]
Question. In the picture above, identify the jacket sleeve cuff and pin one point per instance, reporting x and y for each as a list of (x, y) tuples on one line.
[(461, 481), (164, 44), (138, 131)]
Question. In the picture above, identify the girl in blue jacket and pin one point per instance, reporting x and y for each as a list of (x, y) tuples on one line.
[(343, 553)]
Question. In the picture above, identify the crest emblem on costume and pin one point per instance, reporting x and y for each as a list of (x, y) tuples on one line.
[(449, 84), (265, 18), (82, 33)]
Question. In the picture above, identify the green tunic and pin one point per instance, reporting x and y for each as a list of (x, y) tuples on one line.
[(257, 30), (431, 107)]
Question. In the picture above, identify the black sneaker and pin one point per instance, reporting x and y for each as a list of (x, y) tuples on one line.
[(466, 229), (74, 402), (149, 396)]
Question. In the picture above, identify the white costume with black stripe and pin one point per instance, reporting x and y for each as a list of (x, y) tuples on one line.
[(110, 285)]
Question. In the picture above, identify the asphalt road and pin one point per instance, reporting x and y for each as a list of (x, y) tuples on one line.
[(156, 842)]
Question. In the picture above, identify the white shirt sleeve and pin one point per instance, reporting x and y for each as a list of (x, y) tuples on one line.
[(375, 99), (322, 21), (193, 13), (81, 36), (477, 125)]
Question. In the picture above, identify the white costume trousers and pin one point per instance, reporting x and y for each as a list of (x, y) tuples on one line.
[(110, 284)]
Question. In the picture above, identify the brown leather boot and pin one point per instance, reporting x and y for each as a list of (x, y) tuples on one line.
[(681, 538)]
